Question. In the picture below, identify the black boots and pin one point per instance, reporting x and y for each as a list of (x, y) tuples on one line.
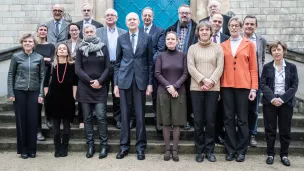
[(91, 151), (57, 143), (64, 145)]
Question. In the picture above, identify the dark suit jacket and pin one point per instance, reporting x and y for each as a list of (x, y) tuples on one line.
[(192, 38), (225, 23), (291, 83), (158, 40), (128, 64), (223, 37), (95, 23), (261, 52)]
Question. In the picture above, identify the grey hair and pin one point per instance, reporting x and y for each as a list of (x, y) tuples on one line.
[(87, 4), (149, 8), (235, 19), (111, 9), (88, 26), (214, 2)]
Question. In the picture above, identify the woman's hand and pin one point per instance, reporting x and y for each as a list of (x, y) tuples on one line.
[(95, 84), (171, 89), (47, 59), (11, 99), (175, 94), (208, 82), (40, 100)]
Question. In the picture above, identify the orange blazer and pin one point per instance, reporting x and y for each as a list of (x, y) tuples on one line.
[(240, 71)]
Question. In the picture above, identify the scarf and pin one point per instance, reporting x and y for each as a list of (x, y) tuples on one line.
[(91, 44)]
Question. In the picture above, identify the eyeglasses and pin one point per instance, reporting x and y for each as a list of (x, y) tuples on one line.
[(74, 30), (110, 15), (57, 11), (86, 10), (184, 13), (236, 25)]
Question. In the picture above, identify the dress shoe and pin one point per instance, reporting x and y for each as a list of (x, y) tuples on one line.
[(175, 155), (187, 126), (121, 154), (103, 153), (240, 158), (31, 155), (285, 161), (211, 157), (40, 137), (141, 155), (91, 151), (230, 157), (49, 124), (118, 125), (253, 142), (158, 128), (167, 155), (220, 140), (199, 157), (131, 124), (24, 156), (269, 160)]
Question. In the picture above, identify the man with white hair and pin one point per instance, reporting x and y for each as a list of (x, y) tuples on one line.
[(108, 36), (214, 7), (133, 80), (87, 12)]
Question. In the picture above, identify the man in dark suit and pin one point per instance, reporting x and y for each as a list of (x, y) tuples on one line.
[(58, 27), (133, 80), (250, 25), (218, 37), (214, 7), (158, 44), (108, 36), (185, 29), (87, 12)]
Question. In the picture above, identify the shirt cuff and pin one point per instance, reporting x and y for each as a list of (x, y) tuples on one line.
[(272, 100)]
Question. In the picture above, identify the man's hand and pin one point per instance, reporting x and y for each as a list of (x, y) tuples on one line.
[(11, 99), (116, 91), (40, 100), (149, 90)]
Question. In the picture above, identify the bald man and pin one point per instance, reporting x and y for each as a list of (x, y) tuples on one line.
[(58, 27), (133, 80)]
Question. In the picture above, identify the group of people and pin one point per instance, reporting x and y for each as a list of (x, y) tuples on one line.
[(208, 74)]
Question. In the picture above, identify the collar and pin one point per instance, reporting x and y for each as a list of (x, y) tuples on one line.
[(236, 39), (111, 30), (136, 33), (90, 21), (283, 64), (149, 27), (60, 21), (218, 34), (253, 37)]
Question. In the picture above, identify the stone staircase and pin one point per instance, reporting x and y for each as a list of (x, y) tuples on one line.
[(155, 140)]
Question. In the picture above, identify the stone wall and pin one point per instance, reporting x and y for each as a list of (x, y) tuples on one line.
[(278, 19)]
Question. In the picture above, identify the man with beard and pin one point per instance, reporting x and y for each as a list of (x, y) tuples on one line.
[(58, 27), (185, 29), (87, 12), (158, 43), (250, 25), (214, 7)]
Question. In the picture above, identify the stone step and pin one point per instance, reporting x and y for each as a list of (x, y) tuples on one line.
[(153, 147), (9, 117), (9, 130)]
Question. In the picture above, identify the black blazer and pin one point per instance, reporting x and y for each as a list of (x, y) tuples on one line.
[(128, 64), (158, 40), (223, 37), (94, 23), (192, 38), (225, 23), (291, 83)]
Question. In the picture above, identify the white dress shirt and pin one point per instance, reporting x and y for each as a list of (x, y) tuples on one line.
[(87, 22), (218, 38), (135, 40), (235, 43), (279, 82), (59, 25), (112, 42)]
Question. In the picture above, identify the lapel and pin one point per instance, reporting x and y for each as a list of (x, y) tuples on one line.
[(152, 30), (119, 31), (258, 43), (69, 43), (105, 34), (244, 43), (81, 25), (139, 39), (129, 41), (63, 26), (286, 73), (227, 46), (53, 27)]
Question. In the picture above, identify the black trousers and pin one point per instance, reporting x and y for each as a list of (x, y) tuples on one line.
[(39, 124), (26, 113), (133, 98), (101, 116), (56, 126), (219, 123), (204, 108), (235, 101), (283, 116), (116, 103)]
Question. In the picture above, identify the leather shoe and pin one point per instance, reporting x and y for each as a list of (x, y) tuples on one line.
[(103, 153), (131, 124), (211, 157), (187, 126), (118, 125), (269, 160), (230, 157), (199, 157), (253, 142), (40, 137), (91, 151), (219, 140), (121, 154), (141, 155), (24, 156), (31, 155), (240, 158), (285, 161)]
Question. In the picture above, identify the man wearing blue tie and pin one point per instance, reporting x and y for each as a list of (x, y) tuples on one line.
[(133, 80)]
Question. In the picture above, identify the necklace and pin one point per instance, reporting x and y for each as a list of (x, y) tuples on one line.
[(63, 73)]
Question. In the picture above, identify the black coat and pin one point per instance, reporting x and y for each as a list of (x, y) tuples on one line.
[(291, 83), (94, 23), (225, 23)]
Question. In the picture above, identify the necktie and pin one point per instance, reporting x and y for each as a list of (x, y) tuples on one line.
[(214, 38), (146, 29), (86, 22), (57, 28), (133, 42)]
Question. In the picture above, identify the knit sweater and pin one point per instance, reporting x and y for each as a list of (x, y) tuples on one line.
[(205, 60)]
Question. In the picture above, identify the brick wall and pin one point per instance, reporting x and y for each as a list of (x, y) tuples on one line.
[(277, 19)]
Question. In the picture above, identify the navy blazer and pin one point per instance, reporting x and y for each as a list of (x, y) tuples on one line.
[(223, 37), (291, 83), (138, 65), (94, 23), (158, 40), (226, 19)]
